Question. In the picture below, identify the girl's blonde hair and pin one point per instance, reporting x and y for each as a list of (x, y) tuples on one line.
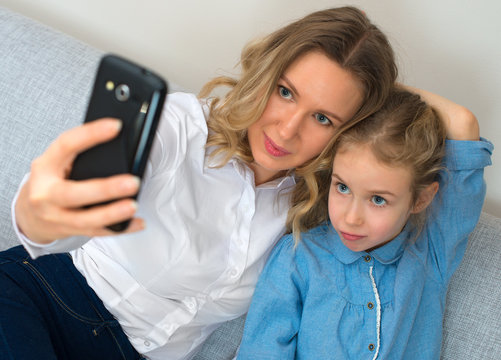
[(343, 34), (405, 132)]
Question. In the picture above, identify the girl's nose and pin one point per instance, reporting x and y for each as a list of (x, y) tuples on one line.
[(354, 214)]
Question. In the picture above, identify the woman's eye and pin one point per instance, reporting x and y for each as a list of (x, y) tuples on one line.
[(378, 200), (284, 92), (322, 119), (342, 188)]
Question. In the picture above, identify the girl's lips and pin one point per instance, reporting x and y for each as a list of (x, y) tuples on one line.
[(351, 237), (273, 149)]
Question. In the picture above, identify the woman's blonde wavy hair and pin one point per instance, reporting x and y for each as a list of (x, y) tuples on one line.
[(343, 34), (405, 132)]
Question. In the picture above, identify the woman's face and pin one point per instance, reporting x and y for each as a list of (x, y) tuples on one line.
[(313, 98)]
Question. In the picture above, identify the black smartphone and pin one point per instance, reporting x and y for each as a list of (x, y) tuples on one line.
[(134, 95)]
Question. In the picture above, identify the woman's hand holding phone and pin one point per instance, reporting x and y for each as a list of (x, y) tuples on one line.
[(50, 206)]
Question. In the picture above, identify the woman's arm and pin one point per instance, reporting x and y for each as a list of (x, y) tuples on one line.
[(460, 122), (49, 206)]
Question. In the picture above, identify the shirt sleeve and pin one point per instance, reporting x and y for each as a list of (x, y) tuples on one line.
[(274, 316), (456, 208)]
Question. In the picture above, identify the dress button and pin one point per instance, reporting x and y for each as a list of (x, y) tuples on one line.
[(370, 305), (371, 347), (367, 258)]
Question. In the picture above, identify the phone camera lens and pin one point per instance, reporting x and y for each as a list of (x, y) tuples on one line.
[(122, 92)]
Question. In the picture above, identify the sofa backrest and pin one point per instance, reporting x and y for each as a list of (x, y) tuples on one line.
[(45, 80)]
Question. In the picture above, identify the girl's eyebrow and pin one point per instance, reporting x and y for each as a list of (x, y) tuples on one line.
[(335, 176), (291, 86)]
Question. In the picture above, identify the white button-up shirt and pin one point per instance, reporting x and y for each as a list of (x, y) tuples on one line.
[(208, 234)]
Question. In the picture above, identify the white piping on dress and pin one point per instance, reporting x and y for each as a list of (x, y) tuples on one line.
[(378, 313)]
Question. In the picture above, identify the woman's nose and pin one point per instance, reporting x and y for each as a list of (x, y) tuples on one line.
[(290, 126)]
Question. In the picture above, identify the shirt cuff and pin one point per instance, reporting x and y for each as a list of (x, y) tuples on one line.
[(468, 155), (35, 249)]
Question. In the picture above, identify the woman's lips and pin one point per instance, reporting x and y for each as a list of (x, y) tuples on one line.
[(273, 149), (351, 237)]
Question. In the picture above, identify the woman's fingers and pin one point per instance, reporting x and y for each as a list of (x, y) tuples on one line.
[(92, 221), (61, 153), (75, 194)]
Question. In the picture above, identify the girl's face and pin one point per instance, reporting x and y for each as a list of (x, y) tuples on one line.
[(313, 98), (369, 202)]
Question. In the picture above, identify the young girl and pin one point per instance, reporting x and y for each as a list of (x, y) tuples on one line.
[(371, 283), (214, 200)]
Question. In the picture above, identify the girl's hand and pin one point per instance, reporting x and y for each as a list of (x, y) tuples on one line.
[(50, 206), (460, 122)]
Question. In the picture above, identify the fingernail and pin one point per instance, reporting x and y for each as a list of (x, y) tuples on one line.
[(132, 183), (129, 207), (116, 124), (136, 182)]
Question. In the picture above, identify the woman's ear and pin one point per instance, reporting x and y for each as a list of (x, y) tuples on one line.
[(425, 197)]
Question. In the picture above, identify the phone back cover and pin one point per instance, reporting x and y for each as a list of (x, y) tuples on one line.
[(116, 156)]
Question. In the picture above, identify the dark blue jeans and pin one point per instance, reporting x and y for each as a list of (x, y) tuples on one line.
[(47, 311)]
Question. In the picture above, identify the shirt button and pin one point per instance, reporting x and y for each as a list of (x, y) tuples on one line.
[(147, 343), (370, 305), (234, 272), (367, 258), (371, 347)]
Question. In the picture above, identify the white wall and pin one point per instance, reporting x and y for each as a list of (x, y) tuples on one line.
[(452, 47)]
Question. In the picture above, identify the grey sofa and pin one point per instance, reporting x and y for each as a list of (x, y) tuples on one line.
[(45, 79)]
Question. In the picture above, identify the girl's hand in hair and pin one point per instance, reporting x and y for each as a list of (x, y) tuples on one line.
[(460, 122)]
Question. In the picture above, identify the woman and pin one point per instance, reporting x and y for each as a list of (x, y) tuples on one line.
[(215, 199)]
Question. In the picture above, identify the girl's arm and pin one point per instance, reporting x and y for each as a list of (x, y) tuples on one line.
[(274, 316), (460, 122), (456, 209)]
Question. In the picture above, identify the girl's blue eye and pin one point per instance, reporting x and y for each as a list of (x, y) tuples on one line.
[(284, 92), (322, 119), (378, 200), (343, 189)]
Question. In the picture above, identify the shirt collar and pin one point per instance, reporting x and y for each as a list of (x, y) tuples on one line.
[(340, 251), (392, 251), (246, 173), (385, 254)]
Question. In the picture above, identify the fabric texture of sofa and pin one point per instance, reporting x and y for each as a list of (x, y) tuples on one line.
[(45, 80)]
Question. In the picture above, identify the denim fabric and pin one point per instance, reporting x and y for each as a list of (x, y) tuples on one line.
[(47, 311)]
